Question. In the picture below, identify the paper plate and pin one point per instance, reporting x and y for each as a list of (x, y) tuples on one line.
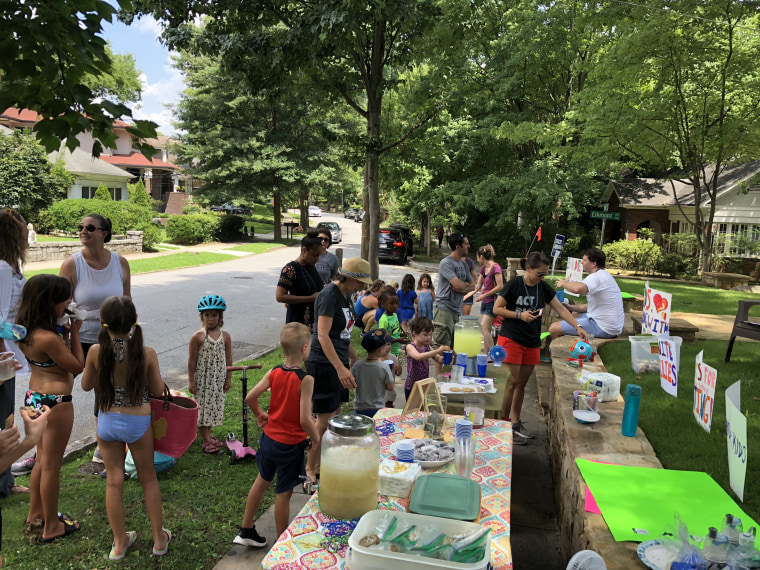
[(585, 416), (655, 554), (423, 464)]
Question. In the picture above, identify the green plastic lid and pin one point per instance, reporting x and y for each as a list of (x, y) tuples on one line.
[(447, 496)]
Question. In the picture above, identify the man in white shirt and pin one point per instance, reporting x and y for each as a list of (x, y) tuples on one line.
[(603, 315)]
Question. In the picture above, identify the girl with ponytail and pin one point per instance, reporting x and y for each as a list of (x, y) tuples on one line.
[(124, 373)]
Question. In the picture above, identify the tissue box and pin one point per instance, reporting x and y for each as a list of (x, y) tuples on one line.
[(397, 477)]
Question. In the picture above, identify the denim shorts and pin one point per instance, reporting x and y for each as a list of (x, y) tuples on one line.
[(487, 309), (113, 426), (589, 325), (282, 459)]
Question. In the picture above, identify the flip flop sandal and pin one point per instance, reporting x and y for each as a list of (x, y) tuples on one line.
[(217, 442), (68, 528), (166, 547), (132, 537), (209, 448)]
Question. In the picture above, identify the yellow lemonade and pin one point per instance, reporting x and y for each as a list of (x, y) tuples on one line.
[(348, 481), (467, 340)]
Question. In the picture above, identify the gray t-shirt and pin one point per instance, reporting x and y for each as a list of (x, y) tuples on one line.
[(371, 378), (327, 266), (445, 297)]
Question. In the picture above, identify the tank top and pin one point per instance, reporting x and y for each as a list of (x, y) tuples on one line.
[(284, 425), (359, 308), (93, 287)]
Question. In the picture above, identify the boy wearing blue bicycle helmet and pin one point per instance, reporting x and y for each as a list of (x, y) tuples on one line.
[(210, 354)]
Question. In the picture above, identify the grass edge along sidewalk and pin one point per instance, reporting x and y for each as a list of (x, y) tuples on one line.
[(669, 423)]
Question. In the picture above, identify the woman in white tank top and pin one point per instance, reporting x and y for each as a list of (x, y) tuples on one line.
[(96, 274)]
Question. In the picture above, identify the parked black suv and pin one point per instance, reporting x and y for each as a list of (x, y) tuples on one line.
[(396, 243)]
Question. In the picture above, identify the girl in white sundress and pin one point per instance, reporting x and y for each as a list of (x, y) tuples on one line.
[(210, 353)]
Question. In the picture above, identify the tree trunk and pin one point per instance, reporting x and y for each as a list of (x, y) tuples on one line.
[(427, 234), (365, 220), (277, 216), (303, 205)]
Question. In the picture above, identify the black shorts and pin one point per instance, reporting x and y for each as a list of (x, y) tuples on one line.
[(329, 393), (284, 460)]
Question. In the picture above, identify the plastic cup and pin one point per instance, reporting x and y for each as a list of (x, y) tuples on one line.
[(462, 359), (405, 451), (7, 366), (561, 295), (446, 357), (389, 363), (482, 365), (463, 428)]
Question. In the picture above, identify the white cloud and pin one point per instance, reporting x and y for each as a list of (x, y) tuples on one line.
[(160, 95), (148, 25)]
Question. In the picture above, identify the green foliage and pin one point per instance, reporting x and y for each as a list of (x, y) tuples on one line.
[(637, 255), (192, 229), (43, 223), (138, 194), (102, 193), (67, 214), (121, 84), (45, 64), (151, 235), (673, 265), (27, 179), (230, 228), (191, 208)]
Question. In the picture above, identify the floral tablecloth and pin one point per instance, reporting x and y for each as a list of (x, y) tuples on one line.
[(307, 543)]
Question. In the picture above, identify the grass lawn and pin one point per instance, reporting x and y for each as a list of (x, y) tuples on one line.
[(669, 423), (56, 238), (163, 263), (259, 227), (259, 247), (691, 298)]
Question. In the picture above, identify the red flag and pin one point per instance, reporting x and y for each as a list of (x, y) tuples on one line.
[(538, 233)]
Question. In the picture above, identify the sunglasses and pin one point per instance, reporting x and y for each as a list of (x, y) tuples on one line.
[(544, 274), (89, 227), (324, 239)]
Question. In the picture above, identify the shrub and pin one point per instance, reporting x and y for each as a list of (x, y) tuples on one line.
[(102, 193), (138, 194), (124, 216), (673, 265), (151, 235), (192, 229), (43, 222), (230, 228), (638, 255), (191, 208)]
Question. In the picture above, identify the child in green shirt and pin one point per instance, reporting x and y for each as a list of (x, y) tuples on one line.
[(389, 321)]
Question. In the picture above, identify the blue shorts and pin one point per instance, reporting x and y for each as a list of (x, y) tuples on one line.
[(469, 300), (113, 426), (369, 412), (282, 459), (487, 309), (589, 325)]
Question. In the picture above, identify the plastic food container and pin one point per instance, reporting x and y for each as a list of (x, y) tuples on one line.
[(606, 384), (645, 355), (362, 558), (445, 495)]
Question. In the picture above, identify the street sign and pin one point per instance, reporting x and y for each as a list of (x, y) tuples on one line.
[(559, 243), (600, 215)]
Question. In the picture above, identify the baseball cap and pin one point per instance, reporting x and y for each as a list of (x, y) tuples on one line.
[(376, 339)]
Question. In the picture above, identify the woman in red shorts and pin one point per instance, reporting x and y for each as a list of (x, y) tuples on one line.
[(521, 303)]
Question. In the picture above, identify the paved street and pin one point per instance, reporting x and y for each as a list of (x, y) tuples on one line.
[(166, 305)]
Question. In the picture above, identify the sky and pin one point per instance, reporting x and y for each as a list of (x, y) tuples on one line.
[(162, 83)]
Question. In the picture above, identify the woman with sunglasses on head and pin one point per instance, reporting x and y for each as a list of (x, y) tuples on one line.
[(328, 264), (96, 274), (299, 282), (521, 304)]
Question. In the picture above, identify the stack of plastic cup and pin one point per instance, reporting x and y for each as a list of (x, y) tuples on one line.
[(463, 428), (457, 371), (447, 358), (405, 451), (482, 365)]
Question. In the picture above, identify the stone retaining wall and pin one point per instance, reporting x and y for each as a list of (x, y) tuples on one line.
[(53, 250), (570, 440)]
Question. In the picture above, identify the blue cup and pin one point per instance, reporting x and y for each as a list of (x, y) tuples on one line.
[(482, 370), (462, 359), (561, 295), (447, 357), (389, 363), (463, 428)]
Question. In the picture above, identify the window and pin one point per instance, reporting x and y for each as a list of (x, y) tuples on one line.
[(89, 192)]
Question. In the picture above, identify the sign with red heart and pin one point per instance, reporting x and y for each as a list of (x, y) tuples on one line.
[(656, 317)]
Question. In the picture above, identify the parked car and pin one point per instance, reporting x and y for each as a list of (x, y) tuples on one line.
[(335, 231), (396, 243), (315, 212), (228, 209), (350, 213), (359, 216)]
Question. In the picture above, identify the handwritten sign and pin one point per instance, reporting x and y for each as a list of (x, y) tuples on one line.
[(574, 269), (705, 378), (656, 317), (668, 365), (736, 432)]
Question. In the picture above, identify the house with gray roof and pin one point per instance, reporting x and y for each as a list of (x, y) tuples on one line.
[(90, 172), (667, 206)]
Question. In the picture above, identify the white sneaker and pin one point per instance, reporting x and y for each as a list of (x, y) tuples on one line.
[(24, 467), (97, 457)]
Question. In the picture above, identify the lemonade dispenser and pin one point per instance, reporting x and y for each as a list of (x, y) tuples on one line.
[(350, 467), (467, 337)]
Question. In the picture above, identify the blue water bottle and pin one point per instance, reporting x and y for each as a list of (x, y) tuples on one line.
[(631, 410)]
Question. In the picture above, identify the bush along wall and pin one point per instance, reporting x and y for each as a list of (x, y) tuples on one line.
[(192, 229)]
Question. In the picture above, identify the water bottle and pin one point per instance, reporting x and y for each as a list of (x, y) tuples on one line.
[(631, 410), (732, 528)]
